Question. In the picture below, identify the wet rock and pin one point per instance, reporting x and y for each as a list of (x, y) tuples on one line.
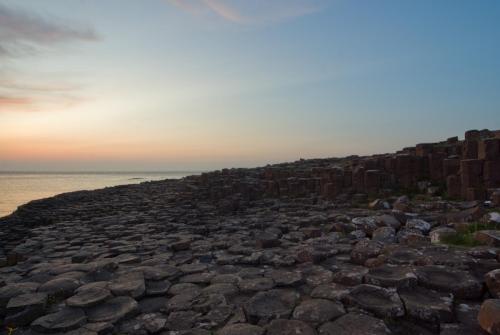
[(317, 311), (289, 327), (273, 304), (384, 303), (355, 324)]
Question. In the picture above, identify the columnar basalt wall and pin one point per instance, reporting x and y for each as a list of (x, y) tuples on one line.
[(467, 169)]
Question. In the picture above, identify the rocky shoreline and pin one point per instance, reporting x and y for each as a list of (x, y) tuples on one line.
[(329, 246)]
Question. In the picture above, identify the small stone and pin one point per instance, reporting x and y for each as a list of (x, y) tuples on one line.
[(440, 234)]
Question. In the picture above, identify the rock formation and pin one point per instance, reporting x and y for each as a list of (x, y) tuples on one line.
[(324, 246)]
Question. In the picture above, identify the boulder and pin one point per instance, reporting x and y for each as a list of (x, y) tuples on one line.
[(489, 316)]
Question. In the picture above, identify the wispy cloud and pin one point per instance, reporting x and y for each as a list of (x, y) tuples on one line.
[(24, 34), (251, 12), (20, 30)]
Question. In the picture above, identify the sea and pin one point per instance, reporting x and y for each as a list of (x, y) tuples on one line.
[(17, 188)]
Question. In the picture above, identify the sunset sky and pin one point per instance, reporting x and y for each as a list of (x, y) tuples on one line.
[(202, 84)]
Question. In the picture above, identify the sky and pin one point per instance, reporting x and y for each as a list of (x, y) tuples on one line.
[(160, 85)]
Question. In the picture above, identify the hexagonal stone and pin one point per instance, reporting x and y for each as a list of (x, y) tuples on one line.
[(317, 311), (241, 329), (286, 278), (391, 276), (364, 250), (222, 288), (350, 275), (289, 327), (355, 324), (377, 300), (427, 306), (89, 297), (62, 321), (60, 287), (160, 287), (25, 308), (273, 304), (182, 301), (113, 309), (461, 283), (256, 284), (331, 291), (158, 272), (11, 290), (131, 284), (183, 288), (197, 278)]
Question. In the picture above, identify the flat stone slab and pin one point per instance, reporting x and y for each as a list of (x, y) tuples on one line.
[(241, 329), (427, 306), (391, 276), (273, 304), (445, 279), (317, 311), (355, 324), (131, 284), (377, 300), (289, 327), (89, 297), (62, 321), (113, 309)]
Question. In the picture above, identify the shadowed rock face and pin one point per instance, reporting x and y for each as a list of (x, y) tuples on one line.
[(295, 248)]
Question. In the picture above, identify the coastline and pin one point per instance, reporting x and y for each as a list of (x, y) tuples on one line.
[(252, 250)]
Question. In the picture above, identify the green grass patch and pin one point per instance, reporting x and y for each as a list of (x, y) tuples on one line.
[(466, 238)]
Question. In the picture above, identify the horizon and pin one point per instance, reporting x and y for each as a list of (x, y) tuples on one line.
[(171, 85)]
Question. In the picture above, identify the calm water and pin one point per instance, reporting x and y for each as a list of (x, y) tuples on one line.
[(19, 188)]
